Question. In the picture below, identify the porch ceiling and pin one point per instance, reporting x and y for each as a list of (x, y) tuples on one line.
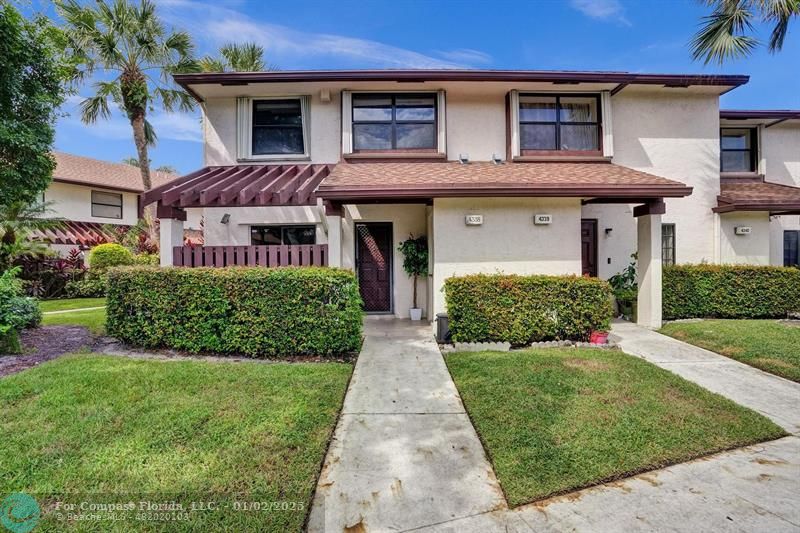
[(373, 181), (242, 185), (749, 195)]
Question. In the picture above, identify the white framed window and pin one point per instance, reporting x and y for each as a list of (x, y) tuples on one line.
[(397, 121), (274, 127), (560, 123), (106, 204)]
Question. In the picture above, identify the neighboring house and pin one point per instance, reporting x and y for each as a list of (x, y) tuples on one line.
[(91, 196), (504, 171)]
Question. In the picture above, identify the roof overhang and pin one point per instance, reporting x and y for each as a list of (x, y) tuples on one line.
[(755, 117), (748, 195), (76, 233), (194, 83), (392, 182), (95, 185)]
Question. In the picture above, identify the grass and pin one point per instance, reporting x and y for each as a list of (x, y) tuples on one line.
[(111, 429), (94, 320), (70, 303), (765, 344), (556, 420)]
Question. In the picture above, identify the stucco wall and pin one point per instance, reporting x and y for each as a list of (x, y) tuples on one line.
[(74, 202), (406, 219), (753, 249), (507, 241), (237, 230), (781, 155)]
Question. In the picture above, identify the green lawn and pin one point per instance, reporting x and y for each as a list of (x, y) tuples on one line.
[(70, 303), (765, 344), (556, 420), (94, 320), (110, 429)]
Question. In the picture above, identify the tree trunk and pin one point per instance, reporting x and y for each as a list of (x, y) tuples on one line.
[(415, 291), (137, 122)]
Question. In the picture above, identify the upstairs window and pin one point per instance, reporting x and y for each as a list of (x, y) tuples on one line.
[(276, 235), (272, 128), (394, 122), (559, 123), (106, 204), (737, 150)]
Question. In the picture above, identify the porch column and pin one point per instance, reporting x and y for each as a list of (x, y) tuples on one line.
[(649, 264), (334, 240), (170, 231)]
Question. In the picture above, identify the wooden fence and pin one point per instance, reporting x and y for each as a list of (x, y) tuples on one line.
[(262, 255)]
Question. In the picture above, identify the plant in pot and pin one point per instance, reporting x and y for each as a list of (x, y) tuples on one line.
[(415, 263), (626, 290)]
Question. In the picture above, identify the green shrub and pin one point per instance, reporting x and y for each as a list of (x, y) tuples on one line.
[(93, 285), (109, 255), (525, 309), (729, 291), (252, 311), (16, 311), (146, 259)]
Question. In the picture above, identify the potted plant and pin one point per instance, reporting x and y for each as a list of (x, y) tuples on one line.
[(626, 290), (415, 263)]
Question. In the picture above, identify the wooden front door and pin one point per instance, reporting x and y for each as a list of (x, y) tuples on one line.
[(589, 246), (374, 265)]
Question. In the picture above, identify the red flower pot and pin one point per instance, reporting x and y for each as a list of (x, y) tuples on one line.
[(598, 337)]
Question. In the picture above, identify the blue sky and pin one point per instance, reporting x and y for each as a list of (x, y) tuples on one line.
[(629, 35)]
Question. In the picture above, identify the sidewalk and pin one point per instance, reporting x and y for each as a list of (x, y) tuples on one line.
[(774, 397), (404, 454)]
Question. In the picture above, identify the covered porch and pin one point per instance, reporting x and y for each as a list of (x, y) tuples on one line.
[(480, 217)]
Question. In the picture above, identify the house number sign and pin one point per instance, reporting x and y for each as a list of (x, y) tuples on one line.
[(542, 219), (473, 220)]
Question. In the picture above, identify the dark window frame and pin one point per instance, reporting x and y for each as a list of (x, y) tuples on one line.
[(120, 206), (753, 148), (796, 260), (393, 122), (672, 247), (557, 123), (254, 102), (282, 228)]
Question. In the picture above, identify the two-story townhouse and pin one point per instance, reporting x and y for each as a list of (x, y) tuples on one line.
[(91, 196), (503, 171)]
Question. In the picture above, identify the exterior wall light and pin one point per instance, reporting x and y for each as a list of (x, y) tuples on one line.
[(225, 218)]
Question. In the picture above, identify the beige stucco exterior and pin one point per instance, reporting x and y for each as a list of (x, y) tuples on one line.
[(507, 241), (668, 132), (74, 202), (781, 164)]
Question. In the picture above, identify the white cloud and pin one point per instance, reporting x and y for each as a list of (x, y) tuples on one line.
[(602, 10), (291, 48), (173, 126), (466, 55)]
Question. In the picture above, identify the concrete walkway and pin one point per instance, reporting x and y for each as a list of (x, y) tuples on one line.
[(774, 397), (404, 454)]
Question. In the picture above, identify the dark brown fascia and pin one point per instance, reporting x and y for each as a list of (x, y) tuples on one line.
[(441, 75), (744, 114), (726, 206), (97, 185), (388, 193)]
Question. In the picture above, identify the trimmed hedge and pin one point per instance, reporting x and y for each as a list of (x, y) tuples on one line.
[(108, 255), (525, 309), (730, 291), (253, 311)]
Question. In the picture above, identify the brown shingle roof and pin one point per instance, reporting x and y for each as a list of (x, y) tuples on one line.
[(429, 180), (748, 195), (87, 171)]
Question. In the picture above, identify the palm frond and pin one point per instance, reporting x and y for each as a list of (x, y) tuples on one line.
[(781, 13), (211, 64), (93, 107), (722, 34), (245, 57), (150, 136)]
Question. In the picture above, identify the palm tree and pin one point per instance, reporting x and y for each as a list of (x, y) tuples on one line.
[(18, 221), (127, 42), (246, 57), (727, 32)]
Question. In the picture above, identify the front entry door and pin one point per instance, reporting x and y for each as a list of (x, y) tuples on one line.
[(589, 247), (374, 265)]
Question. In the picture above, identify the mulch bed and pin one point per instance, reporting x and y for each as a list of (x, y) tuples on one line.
[(45, 343)]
